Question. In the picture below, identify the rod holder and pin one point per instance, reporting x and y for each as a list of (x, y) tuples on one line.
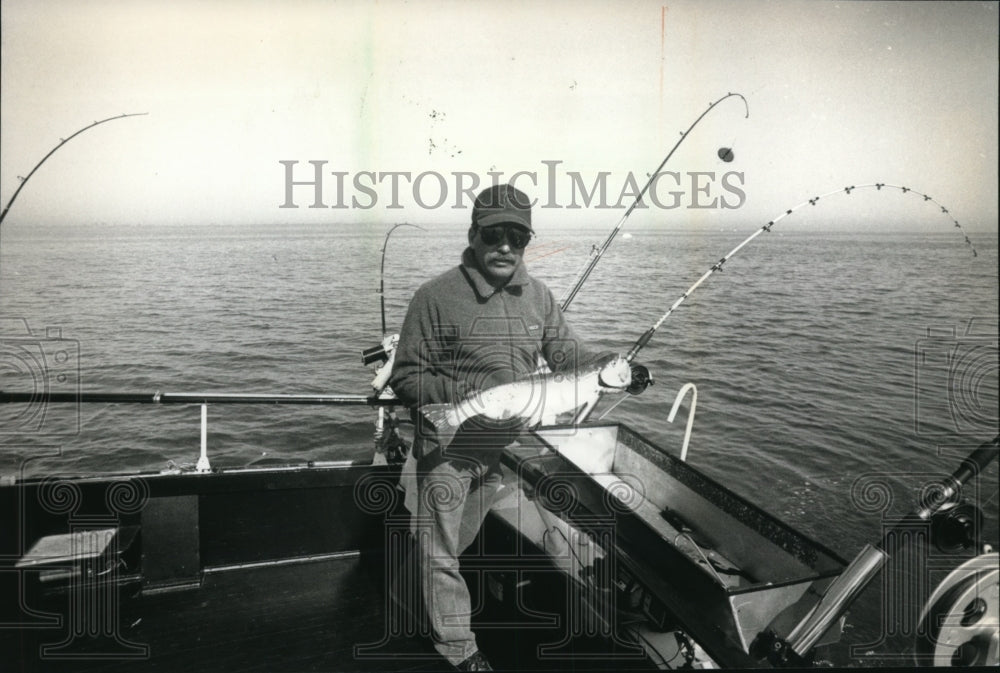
[(838, 596)]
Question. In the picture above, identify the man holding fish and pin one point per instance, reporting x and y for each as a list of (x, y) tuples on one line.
[(472, 352)]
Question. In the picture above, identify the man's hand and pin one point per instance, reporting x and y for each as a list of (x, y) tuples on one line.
[(641, 379)]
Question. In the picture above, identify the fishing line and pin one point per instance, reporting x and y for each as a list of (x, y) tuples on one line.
[(614, 406), (644, 339), (545, 252), (596, 253)]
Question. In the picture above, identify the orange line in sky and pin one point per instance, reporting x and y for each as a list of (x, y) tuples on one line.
[(534, 258)]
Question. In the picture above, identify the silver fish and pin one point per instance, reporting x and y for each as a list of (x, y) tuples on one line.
[(534, 400)]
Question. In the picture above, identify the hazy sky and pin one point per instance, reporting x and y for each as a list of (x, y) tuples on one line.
[(839, 93)]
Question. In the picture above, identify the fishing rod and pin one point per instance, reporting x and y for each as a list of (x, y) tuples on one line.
[(388, 441), (62, 142), (383, 352), (381, 282), (597, 253), (644, 339)]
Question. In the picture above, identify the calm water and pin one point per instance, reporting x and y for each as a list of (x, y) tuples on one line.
[(819, 358)]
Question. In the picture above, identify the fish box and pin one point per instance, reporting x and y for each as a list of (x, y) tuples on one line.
[(723, 568)]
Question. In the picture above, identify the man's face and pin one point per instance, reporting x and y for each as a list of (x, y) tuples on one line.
[(495, 252)]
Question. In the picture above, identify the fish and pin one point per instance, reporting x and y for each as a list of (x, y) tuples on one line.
[(528, 402)]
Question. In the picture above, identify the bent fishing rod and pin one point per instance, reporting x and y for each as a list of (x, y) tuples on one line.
[(597, 253), (383, 352), (62, 142), (648, 334), (381, 281)]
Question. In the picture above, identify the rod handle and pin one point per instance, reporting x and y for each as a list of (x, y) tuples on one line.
[(643, 340)]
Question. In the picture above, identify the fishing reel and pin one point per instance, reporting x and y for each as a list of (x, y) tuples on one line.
[(384, 353), (960, 624), (379, 353), (641, 379), (387, 438), (956, 526)]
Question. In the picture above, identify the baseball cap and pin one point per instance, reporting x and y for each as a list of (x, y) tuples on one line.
[(502, 204)]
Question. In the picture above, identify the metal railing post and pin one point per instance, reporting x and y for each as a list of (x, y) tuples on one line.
[(203, 464)]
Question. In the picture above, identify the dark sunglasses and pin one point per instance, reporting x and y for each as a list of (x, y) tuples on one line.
[(516, 236)]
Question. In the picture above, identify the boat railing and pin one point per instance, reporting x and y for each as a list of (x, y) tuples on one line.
[(203, 399), (381, 401), (194, 398)]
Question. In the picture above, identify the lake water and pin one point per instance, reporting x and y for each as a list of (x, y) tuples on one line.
[(820, 359)]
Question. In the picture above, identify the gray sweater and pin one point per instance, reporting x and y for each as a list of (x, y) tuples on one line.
[(461, 335)]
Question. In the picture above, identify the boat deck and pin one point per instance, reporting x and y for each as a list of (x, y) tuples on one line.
[(302, 616), (326, 614)]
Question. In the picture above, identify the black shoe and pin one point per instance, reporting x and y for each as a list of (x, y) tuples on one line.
[(476, 662)]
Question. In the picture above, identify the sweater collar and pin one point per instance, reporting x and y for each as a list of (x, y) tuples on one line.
[(479, 282)]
